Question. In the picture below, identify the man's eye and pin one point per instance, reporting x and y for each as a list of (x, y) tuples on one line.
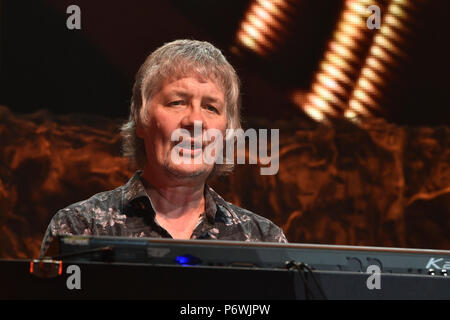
[(176, 103), (212, 108)]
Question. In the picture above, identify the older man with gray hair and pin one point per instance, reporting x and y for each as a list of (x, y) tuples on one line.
[(183, 85)]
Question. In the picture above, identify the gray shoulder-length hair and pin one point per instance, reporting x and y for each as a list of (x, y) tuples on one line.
[(173, 61)]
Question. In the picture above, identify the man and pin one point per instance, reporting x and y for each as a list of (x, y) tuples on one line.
[(184, 85)]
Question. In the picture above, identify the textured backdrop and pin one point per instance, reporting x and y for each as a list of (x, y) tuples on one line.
[(381, 185)]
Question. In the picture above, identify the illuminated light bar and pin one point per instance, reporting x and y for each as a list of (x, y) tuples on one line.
[(395, 22), (345, 39), (266, 21), (385, 55), (351, 115), (252, 44), (321, 104), (375, 64), (366, 85), (362, 95), (258, 33), (337, 60), (265, 26), (353, 17), (387, 31), (253, 20), (328, 95), (381, 53), (358, 7), (336, 72), (344, 51), (351, 30), (272, 7), (397, 10), (340, 68), (356, 106), (389, 45), (251, 31), (327, 81), (370, 74), (314, 113)]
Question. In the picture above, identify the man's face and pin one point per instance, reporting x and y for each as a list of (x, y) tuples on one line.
[(182, 104)]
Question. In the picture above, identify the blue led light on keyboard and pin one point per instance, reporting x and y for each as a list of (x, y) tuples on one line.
[(187, 260)]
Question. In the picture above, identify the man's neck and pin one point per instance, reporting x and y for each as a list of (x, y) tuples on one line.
[(174, 200), (178, 206)]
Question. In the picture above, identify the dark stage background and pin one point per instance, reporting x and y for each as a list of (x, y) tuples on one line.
[(381, 182)]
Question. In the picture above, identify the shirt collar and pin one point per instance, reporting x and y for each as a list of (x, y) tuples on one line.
[(134, 193), (134, 188)]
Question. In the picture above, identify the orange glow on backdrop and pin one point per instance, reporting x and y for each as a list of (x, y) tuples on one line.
[(335, 185)]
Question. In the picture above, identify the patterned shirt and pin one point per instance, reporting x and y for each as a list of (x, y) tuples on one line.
[(127, 211)]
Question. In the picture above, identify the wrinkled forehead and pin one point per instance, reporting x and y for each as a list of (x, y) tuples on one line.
[(168, 73), (200, 81)]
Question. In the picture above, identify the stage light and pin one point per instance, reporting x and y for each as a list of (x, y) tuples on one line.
[(340, 68), (265, 26), (385, 54), (314, 113), (359, 63)]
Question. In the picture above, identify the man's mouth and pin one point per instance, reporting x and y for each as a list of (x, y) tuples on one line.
[(191, 145), (189, 148)]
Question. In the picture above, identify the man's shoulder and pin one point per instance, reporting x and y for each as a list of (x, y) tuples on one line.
[(247, 216), (256, 225), (107, 201), (99, 201), (85, 217), (99, 204)]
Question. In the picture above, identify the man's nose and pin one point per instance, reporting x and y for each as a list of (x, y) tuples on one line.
[(193, 119)]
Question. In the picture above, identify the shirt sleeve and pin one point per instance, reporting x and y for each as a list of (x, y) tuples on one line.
[(279, 236), (64, 222), (273, 233)]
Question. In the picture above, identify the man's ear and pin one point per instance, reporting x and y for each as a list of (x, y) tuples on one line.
[(139, 126), (139, 131)]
